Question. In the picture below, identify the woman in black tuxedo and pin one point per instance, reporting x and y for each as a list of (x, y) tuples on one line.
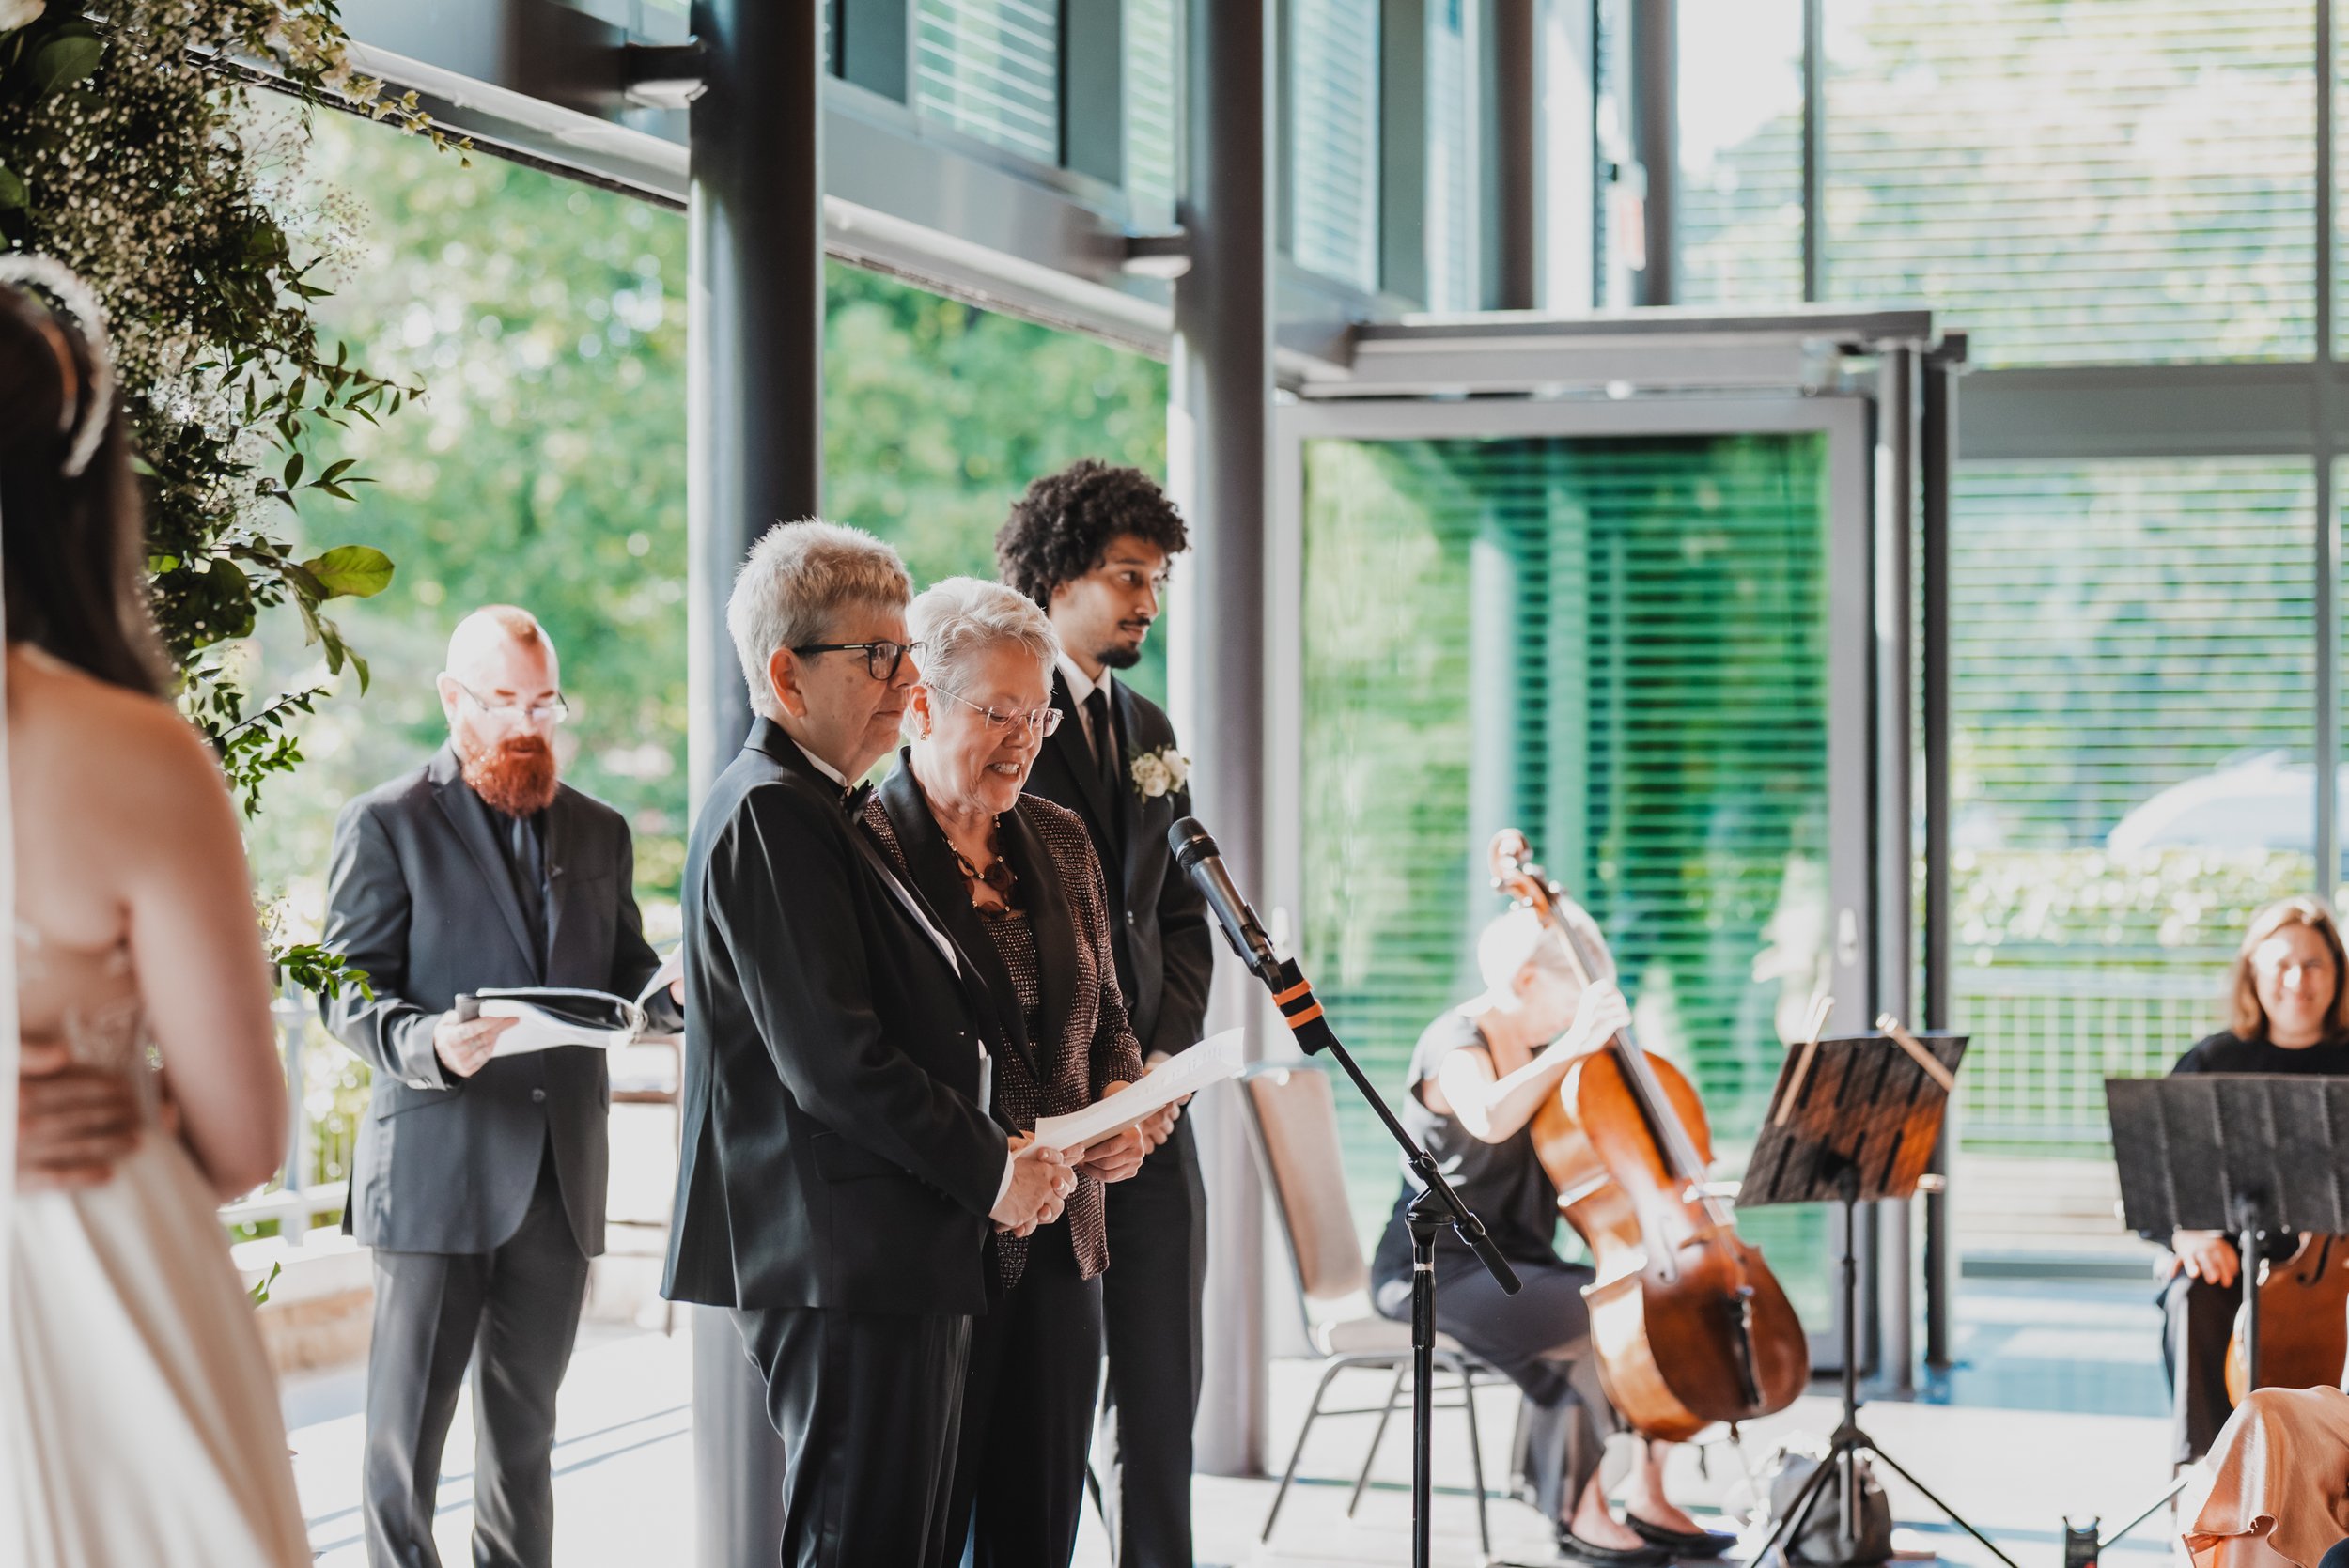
[(1016, 881)]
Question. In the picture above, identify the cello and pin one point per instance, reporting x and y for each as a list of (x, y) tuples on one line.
[(1689, 1325)]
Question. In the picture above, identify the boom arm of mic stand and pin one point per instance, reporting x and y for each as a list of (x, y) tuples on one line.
[(1294, 996)]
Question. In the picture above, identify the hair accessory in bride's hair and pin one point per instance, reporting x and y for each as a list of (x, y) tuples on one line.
[(53, 277)]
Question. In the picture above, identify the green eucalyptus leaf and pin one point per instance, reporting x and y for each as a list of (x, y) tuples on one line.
[(13, 195), (351, 571)]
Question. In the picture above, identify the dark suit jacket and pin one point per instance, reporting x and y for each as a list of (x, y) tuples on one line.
[(419, 896), (1165, 954), (834, 1152), (1082, 1040)]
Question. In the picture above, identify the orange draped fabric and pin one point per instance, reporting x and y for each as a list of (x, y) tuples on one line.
[(2277, 1492)]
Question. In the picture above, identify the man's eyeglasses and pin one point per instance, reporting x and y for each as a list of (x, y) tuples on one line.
[(882, 659), (552, 711), (1043, 720)]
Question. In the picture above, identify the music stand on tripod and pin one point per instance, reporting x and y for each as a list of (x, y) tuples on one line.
[(1852, 1121), (2283, 1169)]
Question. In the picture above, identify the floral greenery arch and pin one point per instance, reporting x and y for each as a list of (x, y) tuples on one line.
[(131, 150)]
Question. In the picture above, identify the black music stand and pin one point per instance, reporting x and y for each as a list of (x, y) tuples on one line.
[(2282, 1169), (1851, 1121), (2241, 1153)]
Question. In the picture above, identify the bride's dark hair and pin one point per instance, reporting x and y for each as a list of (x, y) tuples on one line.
[(72, 550)]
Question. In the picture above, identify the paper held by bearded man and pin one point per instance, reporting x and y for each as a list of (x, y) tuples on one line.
[(551, 1016)]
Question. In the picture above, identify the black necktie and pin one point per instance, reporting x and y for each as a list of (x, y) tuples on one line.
[(852, 798), (526, 856), (1104, 737)]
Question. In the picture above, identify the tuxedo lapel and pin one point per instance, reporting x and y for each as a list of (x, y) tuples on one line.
[(1075, 754), (931, 866), (1129, 802), (1056, 926), (488, 858)]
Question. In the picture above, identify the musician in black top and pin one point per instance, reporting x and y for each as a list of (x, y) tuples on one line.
[(1477, 1076), (2288, 1014)]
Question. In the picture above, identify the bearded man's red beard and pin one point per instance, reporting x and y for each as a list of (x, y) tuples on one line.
[(516, 776)]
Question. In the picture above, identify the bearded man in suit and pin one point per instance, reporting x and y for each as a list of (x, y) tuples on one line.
[(479, 1178)]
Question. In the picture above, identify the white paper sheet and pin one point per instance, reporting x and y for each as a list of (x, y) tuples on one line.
[(538, 1028), (1211, 1061)]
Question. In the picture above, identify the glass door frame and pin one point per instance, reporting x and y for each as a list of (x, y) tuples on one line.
[(1857, 618)]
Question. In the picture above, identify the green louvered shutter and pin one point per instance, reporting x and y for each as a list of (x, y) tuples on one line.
[(1618, 644)]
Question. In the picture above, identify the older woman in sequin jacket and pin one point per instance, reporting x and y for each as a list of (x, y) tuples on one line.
[(1014, 881)]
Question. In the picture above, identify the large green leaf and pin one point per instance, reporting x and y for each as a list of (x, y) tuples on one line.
[(351, 571), (62, 61)]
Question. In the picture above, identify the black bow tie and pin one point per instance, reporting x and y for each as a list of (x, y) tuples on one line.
[(852, 799)]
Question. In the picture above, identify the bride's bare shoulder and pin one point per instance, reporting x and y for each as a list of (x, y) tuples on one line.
[(70, 729)]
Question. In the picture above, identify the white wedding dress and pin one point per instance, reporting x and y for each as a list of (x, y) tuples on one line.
[(142, 1429)]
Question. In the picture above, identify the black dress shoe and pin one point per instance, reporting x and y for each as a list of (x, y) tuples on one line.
[(1681, 1543), (1575, 1548)]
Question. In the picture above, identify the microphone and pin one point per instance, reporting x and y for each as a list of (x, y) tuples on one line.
[(1196, 853)]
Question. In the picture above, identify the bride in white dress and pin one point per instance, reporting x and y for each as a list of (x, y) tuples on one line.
[(140, 1428)]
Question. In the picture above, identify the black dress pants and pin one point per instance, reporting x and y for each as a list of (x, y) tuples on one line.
[(1027, 1417), (518, 1308), (1539, 1339), (866, 1405), (1150, 1310), (2198, 1320)]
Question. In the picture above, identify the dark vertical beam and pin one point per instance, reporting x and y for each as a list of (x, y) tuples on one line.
[(874, 46), (1513, 163), (1814, 149), (1896, 521), (754, 455), (1093, 88), (1402, 122), (1655, 135), (1219, 447), (1937, 443)]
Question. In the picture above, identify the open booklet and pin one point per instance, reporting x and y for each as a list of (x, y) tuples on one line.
[(1211, 1061), (551, 1016)]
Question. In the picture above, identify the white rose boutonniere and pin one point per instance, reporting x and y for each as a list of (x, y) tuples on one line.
[(1158, 772), (20, 13)]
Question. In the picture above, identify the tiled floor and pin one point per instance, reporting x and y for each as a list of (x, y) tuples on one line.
[(2054, 1410)]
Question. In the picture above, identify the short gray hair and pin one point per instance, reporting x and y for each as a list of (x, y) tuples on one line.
[(797, 583), (959, 618)]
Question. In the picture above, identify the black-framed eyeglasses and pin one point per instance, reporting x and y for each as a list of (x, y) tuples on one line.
[(554, 710), (882, 659), (1043, 720)]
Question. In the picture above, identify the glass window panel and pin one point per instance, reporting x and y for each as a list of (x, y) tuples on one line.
[(1154, 93), (1740, 213), (1333, 110), (2078, 179), (1452, 171), (992, 68), (2132, 656), (1619, 646)]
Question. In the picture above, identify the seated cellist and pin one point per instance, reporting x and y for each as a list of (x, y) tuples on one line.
[(1477, 1076)]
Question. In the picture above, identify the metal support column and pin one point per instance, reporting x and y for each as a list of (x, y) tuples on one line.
[(1513, 167), (1896, 519), (1655, 137), (1218, 442), (754, 455), (1937, 442)]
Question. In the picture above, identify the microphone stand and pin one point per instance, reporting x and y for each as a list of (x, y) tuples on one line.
[(1435, 1207)]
